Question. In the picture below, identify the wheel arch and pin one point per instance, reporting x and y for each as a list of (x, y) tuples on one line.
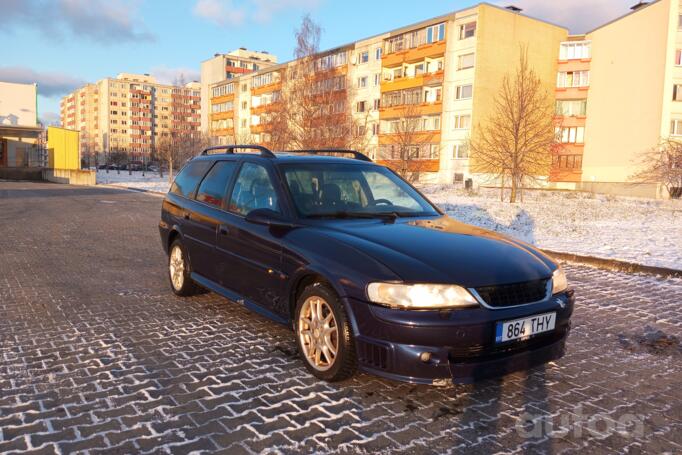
[(303, 279)]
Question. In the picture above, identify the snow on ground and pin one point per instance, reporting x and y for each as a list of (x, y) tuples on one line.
[(150, 182), (643, 231)]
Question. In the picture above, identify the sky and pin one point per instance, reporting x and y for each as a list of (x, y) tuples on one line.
[(63, 44)]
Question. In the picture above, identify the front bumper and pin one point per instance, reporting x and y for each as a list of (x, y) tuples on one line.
[(461, 343)]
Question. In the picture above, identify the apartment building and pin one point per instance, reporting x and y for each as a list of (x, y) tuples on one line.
[(131, 113), (226, 67), (423, 87), (619, 93)]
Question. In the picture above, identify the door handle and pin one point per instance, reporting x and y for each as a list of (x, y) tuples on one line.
[(223, 230)]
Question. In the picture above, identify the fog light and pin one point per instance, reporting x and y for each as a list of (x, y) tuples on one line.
[(425, 356)]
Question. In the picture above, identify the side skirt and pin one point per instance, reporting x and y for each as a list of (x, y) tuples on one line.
[(233, 296)]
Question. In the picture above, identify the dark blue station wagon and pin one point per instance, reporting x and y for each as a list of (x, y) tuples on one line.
[(369, 274)]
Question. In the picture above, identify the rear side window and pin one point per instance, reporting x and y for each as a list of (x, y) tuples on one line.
[(188, 179), (213, 187)]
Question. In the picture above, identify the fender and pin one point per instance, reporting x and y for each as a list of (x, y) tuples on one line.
[(310, 269)]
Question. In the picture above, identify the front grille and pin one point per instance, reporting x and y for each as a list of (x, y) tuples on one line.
[(373, 354), (513, 294), (478, 352)]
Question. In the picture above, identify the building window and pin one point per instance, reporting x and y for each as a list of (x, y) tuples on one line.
[(571, 108), (362, 82), (377, 104), (573, 79), (243, 123), (375, 129), (676, 127), (466, 61), (460, 151), (363, 57), (377, 79), (244, 105), (571, 134), (572, 50), (464, 92), (678, 57), (467, 30), (567, 161), (361, 106), (462, 121), (677, 92), (243, 87), (377, 53)]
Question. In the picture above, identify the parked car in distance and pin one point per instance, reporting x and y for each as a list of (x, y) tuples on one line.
[(367, 272)]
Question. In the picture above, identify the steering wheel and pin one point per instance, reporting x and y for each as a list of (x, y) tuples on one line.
[(382, 201)]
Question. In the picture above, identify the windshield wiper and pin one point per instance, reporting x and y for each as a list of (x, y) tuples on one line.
[(345, 214)]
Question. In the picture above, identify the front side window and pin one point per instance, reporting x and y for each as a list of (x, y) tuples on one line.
[(187, 180), (212, 188), (352, 190), (253, 190)]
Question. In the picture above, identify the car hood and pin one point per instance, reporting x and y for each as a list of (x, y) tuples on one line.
[(443, 250)]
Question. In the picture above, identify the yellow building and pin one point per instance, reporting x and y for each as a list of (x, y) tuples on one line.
[(63, 148)]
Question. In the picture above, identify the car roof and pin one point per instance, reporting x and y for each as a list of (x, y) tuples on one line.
[(284, 157)]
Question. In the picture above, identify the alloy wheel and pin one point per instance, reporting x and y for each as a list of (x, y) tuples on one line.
[(318, 332), (176, 266)]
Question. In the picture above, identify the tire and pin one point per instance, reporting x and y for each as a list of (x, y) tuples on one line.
[(314, 335), (178, 267)]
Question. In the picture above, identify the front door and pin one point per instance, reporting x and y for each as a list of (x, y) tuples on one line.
[(250, 254)]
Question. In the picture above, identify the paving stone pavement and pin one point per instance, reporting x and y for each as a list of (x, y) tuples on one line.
[(98, 356)]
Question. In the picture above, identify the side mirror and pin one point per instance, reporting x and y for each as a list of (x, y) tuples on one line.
[(268, 217)]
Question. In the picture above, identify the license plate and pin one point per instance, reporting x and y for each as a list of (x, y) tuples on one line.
[(522, 329)]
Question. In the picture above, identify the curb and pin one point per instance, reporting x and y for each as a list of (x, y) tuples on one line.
[(129, 188), (615, 264)]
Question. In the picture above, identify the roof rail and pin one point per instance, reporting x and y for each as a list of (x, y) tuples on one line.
[(356, 155), (264, 151)]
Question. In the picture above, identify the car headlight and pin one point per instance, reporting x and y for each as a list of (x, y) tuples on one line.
[(559, 282), (420, 296)]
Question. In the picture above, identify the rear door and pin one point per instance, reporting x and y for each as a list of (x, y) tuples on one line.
[(180, 206), (207, 215), (250, 254)]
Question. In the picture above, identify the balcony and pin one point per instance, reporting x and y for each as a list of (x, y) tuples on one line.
[(402, 83), (263, 108), (419, 137), (411, 109), (271, 87), (413, 165), (222, 115), (414, 55), (222, 98)]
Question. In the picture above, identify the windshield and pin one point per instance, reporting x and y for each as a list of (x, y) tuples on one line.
[(351, 190)]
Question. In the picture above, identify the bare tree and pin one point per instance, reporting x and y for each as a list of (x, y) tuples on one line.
[(409, 146), (176, 149), (662, 165), (313, 106), (516, 141)]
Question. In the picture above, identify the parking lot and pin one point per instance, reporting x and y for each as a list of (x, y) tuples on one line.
[(97, 355)]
